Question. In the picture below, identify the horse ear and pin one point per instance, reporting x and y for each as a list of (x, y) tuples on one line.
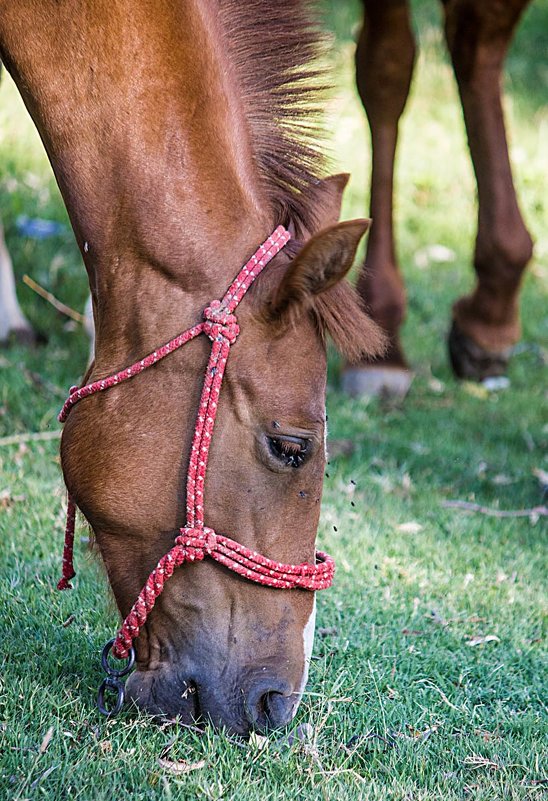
[(322, 263), (325, 198)]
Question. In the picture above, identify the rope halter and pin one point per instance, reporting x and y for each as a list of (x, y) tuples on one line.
[(195, 540)]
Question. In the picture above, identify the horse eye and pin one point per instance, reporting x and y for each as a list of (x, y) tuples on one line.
[(292, 451)]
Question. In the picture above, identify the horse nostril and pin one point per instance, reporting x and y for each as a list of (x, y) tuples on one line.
[(164, 695), (270, 709)]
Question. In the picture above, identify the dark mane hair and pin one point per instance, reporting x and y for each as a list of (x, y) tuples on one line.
[(276, 48)]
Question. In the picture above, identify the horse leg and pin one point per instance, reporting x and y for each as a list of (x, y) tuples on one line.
[(384, 65), (12, 320), (486, 322)]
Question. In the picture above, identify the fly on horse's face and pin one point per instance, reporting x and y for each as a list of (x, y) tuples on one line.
[(215, 644)]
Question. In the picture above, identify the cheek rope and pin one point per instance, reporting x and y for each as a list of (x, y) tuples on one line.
[(195, 540)]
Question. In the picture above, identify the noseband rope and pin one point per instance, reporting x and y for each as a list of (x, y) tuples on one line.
[(195, 540)]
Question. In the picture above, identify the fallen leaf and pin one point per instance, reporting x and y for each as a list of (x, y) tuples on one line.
[(483, 640), (485, 735), (258, 741), (105, 746), (180, 767), (412, 527), (417, 734), (477, 761), (475, 390), (43, 776), (542, 476), (47, 740)]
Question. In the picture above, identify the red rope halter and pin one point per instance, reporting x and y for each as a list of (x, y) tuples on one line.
[(195, 540)]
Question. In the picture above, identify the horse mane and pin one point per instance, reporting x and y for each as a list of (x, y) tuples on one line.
[(276, 49)]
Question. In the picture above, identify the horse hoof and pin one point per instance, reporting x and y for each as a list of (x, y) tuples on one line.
[(472, 362), (373, 382)]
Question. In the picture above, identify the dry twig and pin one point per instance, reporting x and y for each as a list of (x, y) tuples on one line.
[(57, 304), (29, 436), (535, 511)]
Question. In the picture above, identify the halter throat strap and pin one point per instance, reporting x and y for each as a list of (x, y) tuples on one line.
[(195, 540)]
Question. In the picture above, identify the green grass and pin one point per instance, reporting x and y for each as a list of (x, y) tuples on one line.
[(400, 704)]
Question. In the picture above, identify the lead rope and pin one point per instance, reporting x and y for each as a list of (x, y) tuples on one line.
[(195, 540)]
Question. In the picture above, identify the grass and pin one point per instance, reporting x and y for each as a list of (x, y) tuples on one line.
[(401, 704)]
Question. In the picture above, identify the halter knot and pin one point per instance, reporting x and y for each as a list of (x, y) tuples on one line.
[(196, 543), (219, 323)]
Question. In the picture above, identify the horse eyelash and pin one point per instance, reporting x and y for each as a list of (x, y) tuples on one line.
[(292, 452), (290, 447)]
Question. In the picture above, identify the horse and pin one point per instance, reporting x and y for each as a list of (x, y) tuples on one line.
[(181, 135), (485, 324)]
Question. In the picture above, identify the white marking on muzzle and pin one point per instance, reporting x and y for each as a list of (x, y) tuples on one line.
[(308, 642)]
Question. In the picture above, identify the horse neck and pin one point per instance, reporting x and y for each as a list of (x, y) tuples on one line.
[(141, 116)]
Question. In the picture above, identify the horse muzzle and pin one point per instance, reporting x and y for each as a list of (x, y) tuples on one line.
[(255, 700)]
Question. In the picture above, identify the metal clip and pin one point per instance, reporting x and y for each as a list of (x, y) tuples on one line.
[(112, 681)]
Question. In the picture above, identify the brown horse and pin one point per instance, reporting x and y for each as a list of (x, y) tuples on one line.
[(180, 136), (486, 323)]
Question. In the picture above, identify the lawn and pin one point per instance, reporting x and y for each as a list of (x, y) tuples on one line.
[(428, 678)]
